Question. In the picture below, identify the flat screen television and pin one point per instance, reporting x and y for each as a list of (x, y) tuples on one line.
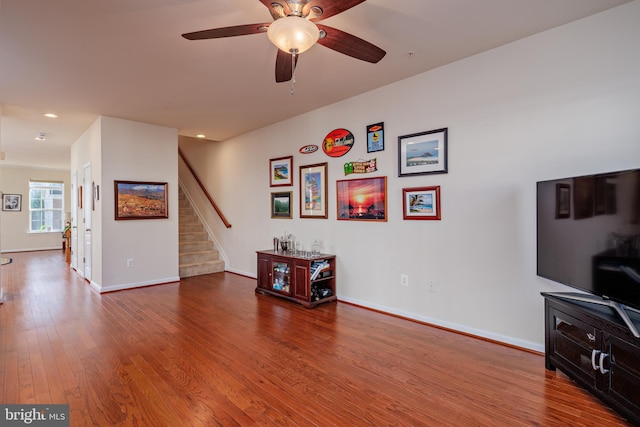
[(588, 236)]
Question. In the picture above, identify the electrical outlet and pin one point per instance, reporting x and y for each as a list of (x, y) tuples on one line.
[(404, 280), (129, 262)]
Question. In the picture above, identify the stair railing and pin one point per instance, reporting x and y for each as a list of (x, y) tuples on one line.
[(204, 190)]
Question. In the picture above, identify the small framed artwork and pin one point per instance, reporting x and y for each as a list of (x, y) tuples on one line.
[(423, 153), (141, 200), (375, 137), (281, 171), (12, 202), (584, 189), (362, 199), (281, 205), (421, 203), (313, 191), (563, 201), (600, 198)]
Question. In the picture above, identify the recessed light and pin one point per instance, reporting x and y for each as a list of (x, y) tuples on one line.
[(201, 135), (51, 115)]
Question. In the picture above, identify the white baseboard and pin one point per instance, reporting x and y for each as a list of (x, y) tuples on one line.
[(123, 286), (57, 248), (528, 345)]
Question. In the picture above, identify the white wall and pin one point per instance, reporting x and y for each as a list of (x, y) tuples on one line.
[(15, 225), (559, 103), (129, 151)]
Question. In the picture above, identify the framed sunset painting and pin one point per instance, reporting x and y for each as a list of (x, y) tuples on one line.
[(362, 199)]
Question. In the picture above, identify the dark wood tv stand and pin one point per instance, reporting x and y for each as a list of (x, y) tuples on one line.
[(595, 347)]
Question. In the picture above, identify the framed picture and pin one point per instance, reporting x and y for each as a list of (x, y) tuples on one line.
[(612, 202), (281, 205), (12, 202), (600, 200), (423, 153), (584, 189), (280, 171), (313, 191), (140, 200), (375, 137), (362, 199), (563, 201), (421, 203)]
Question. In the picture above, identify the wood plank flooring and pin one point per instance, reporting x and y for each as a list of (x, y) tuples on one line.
[(207, 351)]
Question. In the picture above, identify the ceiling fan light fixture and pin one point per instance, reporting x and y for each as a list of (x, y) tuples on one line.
[(293, 34)]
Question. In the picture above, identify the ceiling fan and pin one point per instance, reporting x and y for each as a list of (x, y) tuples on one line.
[(293, 31)]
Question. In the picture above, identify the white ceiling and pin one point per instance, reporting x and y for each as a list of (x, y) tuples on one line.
[(126, 59)]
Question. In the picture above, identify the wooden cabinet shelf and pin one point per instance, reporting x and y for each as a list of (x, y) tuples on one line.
[(592, 345), (307, 281)]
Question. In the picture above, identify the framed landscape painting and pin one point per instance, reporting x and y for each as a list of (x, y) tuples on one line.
[(280, 171), (140, 200), (362, 199), (421, 203), (423, 153), (281, 205)]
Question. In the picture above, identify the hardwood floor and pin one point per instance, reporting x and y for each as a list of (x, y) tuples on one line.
[(207, 351)]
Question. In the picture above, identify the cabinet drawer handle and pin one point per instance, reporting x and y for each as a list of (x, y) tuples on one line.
[(602, 369), (594, 354)]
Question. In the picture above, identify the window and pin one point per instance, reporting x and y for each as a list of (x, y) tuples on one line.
[(46, 203)]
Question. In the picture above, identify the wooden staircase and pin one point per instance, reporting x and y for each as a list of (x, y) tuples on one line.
[(197, 252)]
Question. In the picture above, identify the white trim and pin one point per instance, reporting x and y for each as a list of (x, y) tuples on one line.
[(123, 286), (56, 248), (453, 326), (242, 273)]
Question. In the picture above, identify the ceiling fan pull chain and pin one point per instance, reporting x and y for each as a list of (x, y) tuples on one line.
[(293, 73)]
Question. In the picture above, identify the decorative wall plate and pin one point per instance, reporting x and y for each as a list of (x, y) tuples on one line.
[(308, 149), (337, 143)]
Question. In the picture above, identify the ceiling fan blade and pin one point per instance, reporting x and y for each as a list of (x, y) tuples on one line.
[(236, 30), (284, 67), (350, 45), (281, 9), (329, 8)]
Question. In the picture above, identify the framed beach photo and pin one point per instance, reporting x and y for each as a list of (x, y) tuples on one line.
[(12, 202), (281, 171), (281, 205), (423, 153), (362, 199), (313, 191), (140, 200), (421, 203)]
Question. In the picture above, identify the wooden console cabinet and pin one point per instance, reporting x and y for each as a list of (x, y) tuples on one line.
[(594, 347), (288, 276)]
